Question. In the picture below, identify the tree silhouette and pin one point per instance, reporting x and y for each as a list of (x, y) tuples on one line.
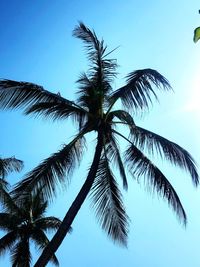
[(96, 111), (23, 222)]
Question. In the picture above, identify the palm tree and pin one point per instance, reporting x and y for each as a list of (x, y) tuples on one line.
[(7, 165), (24, 221), (95, 111)]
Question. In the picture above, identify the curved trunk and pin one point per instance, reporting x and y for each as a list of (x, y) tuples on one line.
[(57, 239)]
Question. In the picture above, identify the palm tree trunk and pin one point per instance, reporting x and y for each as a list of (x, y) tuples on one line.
[(57, 239)]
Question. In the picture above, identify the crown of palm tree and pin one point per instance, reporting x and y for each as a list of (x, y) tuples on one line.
[(95, 111), (23, 222)]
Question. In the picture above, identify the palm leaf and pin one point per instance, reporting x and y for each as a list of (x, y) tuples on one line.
[(89, 97), (36, 204), (113, 153), (3, 191), (4, 185), (53, 170), (48, 223), (141, 166), (39, 237), (123, 116), (7, 242), (102, 70), (21, 255), (90, 39), (8, 203), (178, 156), (108, 204), (138, 92), (8, 165), (8, 221), (14, 94), (58, 111), (88, 94)]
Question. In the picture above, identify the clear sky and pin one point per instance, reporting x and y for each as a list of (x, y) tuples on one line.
[(36, 45)]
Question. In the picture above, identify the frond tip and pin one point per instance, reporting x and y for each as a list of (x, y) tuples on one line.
[(53, 170), (113, 154), (141, 166), (108, 204), (168, 150), (14, 95), (102, 70), (138, 92)]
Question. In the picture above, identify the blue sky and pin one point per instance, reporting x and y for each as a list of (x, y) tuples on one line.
[(37, 46)]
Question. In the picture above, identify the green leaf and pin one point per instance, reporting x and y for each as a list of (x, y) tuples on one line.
[(196, 34)]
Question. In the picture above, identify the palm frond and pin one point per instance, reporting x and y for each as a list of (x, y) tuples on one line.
[(8, 165), (178, 156), (4, 185), (8, 221), (7, 242), (3, 192), (108, 204), (14, 95), (8, 203), (53, 170), (36, 204), (88, 95), (40, 238), (123, 116), (21, 255), (58, 111), (138, 92), (89, 38), (48, 223), (103, 70), (141, 166), (113, 153)]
